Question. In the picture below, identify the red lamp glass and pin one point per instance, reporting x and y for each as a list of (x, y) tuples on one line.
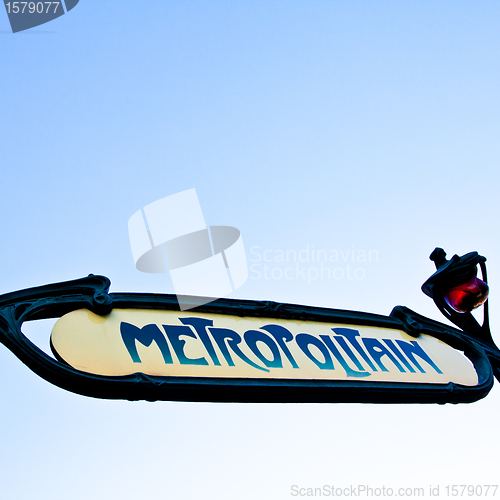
[(467, 296), (457, 291)]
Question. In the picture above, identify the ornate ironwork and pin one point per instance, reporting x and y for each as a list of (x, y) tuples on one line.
[(92, 292)]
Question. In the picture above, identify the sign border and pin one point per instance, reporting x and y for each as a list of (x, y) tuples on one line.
[(55, 300)]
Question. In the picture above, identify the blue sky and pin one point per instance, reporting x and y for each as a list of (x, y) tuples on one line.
[(329, 124)]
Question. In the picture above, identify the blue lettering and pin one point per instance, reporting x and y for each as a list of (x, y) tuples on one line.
[(252, 337), (146, 336), (398, 353), (173, 333), (413, 347), (349, 371), (351, 335), (281, 335), (200, 325), (304, 340), (233, 339), (345, 347), (376, 350)]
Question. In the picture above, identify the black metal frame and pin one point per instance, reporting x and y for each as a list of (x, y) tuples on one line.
[(55, 300)]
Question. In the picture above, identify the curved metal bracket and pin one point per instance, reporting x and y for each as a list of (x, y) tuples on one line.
[(55, 300)]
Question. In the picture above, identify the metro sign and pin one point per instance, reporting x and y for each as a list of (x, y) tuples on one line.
[(175, 344), (141, 346)]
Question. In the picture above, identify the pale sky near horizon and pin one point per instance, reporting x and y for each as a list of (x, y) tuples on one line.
[(329, 125)]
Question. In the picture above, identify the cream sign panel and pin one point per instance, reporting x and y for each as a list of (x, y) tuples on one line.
[(183, 344)]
